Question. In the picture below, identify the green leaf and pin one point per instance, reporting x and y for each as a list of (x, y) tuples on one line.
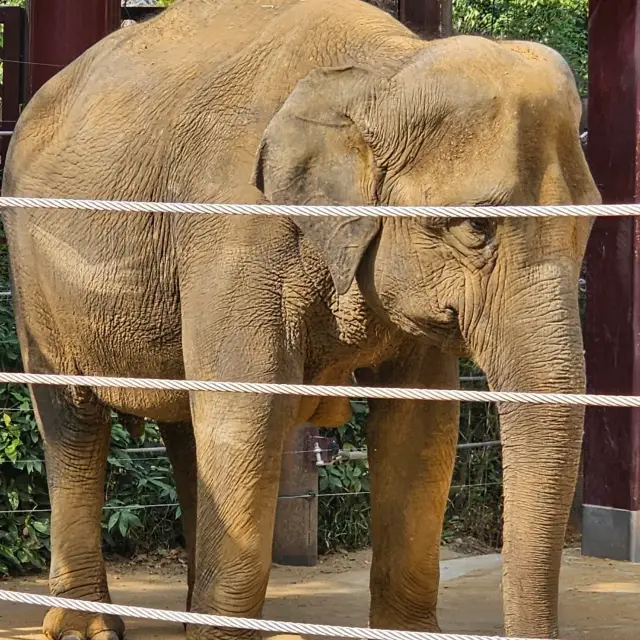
[(113, 520), (13, 498), (8, 554), (41, 527), (127, 521)]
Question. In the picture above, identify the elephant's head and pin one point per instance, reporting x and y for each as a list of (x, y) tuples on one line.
[(464, 122)]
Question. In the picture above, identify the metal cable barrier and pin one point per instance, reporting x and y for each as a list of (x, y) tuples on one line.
[(389, 393), (225, 622), (326, 211), (272, 626)]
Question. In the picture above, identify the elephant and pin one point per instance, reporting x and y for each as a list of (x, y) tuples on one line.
[(315, 102)]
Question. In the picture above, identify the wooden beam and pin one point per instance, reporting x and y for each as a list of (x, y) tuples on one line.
[(428, 18), (610, 522), (295, 540), (60, 30)]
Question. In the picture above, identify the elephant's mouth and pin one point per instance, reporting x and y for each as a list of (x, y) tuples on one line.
[(455, 344), (445, 332)]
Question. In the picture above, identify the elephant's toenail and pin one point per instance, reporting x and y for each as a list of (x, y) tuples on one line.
[(105, 635)]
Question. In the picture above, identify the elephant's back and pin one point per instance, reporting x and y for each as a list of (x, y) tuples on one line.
[(173, 110), (168, 110), (121, 108)]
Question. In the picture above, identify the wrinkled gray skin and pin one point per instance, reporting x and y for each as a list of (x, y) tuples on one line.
[(323, 101)]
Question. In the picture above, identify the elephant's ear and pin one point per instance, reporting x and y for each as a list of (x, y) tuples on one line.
[(312, 152)]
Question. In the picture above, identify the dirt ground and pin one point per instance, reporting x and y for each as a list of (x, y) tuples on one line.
[(599, 599)]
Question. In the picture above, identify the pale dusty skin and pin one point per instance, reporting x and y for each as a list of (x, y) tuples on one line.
[(322, 101)]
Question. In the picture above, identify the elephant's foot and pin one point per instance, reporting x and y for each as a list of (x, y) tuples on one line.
[(64, 624), (427, 623), (197, 632)]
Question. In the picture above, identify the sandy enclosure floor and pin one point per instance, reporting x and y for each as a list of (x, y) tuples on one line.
[(599, 598)]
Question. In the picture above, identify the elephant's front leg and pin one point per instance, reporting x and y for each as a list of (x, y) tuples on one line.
[(76, 431), (239, 442), (412, 449)]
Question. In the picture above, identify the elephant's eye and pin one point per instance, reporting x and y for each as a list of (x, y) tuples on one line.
[(475, 233), (480, 225), (478, 232), (483, 227)]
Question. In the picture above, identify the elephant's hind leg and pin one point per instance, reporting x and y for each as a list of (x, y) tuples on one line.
[(181, 450), (76, 431), (411, 455)]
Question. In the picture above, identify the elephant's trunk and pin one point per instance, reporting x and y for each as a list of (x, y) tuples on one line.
[(541, 450), (537, 351)]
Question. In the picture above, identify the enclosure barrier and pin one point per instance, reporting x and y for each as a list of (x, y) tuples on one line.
[(328, 211), (388, 393), (297, 389), (225, 622)]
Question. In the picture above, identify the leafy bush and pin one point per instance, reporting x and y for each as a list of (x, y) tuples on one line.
[(135, 481), (343, 520), (24, 520)]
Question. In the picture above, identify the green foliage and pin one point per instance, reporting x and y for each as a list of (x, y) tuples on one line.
[(137, 480), (24, 534), (133, 481), (561, 24), (343, 520)]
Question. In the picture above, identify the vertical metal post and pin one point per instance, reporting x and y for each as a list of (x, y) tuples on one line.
[(611, 523), (60, 30), (295, 540), (428, 18)]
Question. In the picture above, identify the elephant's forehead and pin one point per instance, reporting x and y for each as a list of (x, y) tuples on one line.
[(500, 83), (492, 64)]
